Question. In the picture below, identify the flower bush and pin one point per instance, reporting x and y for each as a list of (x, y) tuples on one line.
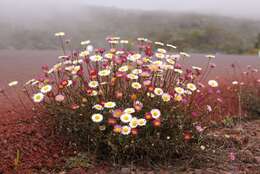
[(123, 104)]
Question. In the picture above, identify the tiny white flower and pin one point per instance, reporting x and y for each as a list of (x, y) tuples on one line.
[(45, 89)]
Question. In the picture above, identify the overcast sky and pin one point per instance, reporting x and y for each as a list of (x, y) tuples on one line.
[(235, 8), (241, 8)]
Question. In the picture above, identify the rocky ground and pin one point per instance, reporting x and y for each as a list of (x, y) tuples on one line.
[(28, 146)]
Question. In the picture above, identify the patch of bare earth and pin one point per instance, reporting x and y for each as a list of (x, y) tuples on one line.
[(28, 145)]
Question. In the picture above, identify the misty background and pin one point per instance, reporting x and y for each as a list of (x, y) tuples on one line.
[(228, 26)]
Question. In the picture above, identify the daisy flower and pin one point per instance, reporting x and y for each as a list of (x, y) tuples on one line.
[(97, 118), (213, 83), (196, 68), (159, 43), (141, 122), (178, 71), (96, 58), (158, 91), (37, 98), (179, 90), (123, 68), (137, 71), (129, 110), (191, 86), (136, 85), (210, 56), (45, 89), (172, 46), (159, 55), (109, 55), (13, 83), (170, 61), (184, 54), (161, 50), (178, 98), (98, 107), (86, 42), (125, 130), (104, 72), (110, 104), (126, 118), (132, 76), (93, 84), (166, 97), (156, 113), (83, 53), (235, 83), (59, 34), (134, 57), (133, 123), (124, 41)]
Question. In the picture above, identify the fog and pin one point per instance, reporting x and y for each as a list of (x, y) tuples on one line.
[(9, 9), (233, 8)]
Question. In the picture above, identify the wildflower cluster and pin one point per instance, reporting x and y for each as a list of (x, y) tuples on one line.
[(133, 103)]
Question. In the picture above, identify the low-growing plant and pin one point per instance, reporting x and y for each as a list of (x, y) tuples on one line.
[(128, 105)]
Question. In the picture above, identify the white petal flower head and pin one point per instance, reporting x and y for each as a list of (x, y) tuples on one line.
[(126, 118), (86, 42), (98, 107), (129, 110), (141, 122), (156, 113), (137, 71), (37, 98), (191, 86), (166, 97), (134, 57), (184, 54), (171, 46), (179, 90), (104, 72), (83, 53), (97, 118), (213, 83), (235, 83), (93, 84), (45, 89), (125, 130), (96, 58), (133, 123), (210, 56), (132, 76), (170, 61), (136, 85), (59, 34), (161, 50), (196, 68), (158, 91), (159, 55), (13, 83), (109, 55), (110, 104), (123, 68), (159, 43)]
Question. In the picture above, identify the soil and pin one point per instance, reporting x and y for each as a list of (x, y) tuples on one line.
[(29, 146)]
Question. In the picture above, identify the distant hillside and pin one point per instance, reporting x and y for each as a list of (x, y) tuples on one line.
[(191, 32)]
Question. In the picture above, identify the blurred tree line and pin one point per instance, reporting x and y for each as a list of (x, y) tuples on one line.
[(190, 32)]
